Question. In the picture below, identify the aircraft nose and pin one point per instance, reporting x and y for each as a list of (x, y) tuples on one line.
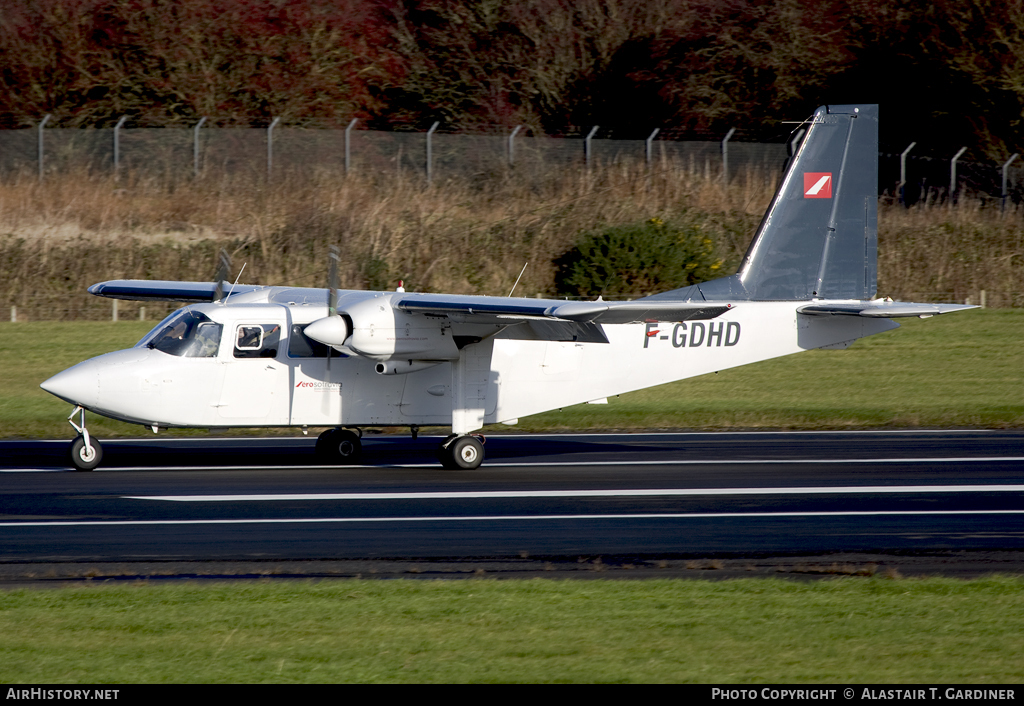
[(79, 385)]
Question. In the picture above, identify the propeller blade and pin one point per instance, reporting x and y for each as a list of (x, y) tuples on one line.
[(223, 272), (332, 281)]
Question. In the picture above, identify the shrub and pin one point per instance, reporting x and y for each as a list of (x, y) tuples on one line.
[(638, 259)]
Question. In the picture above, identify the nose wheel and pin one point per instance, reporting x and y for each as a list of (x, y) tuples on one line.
[(86, 452), (85, 456), (461, 452)]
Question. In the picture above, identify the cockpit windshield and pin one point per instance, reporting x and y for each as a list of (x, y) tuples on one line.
[(185, 333)]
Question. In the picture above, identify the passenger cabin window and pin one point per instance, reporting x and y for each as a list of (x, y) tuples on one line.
[(187, 334), (302, 346), (257, 340)]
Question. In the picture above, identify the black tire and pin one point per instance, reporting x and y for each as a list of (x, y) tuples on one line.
[(339, 446), (464, 453), (82, 459), (323, 444)]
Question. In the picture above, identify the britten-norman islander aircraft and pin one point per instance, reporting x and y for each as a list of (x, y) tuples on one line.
[(282, 356)]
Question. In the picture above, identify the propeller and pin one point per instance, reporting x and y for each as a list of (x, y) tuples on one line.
[(331, 330)]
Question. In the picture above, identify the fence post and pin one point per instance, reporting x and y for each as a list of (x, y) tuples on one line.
[(952, 174), (117, 145), (903, 171), (42, 124), (113, 314), (142, 313), (14, 314), (1006, 166), (649, 147), (195, 147), (511, 146), (725, 155), (270, 145), (348, 145), (587, 151), (430, 152)]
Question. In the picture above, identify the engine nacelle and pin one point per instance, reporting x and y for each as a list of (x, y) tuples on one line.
[(403, 367), (383, 333)]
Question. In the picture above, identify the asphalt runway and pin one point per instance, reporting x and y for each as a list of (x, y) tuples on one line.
[(719, 501)]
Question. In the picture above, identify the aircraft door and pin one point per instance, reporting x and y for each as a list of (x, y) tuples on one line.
[(255, 389)]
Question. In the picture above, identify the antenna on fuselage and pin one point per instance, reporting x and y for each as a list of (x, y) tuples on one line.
[(236, 281), (518, 278)]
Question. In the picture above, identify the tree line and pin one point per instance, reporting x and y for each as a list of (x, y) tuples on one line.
[(947, 73)]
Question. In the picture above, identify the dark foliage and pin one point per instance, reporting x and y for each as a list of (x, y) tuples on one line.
[(951, 71), (637, 260)]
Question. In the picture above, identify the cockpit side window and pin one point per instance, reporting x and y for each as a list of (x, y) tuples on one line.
[(187, 334), (257, 340)]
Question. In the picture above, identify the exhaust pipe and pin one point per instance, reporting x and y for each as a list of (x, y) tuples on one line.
[(402, 367)]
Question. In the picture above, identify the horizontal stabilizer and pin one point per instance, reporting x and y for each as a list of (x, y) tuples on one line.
[(881, 309), (162, 290)]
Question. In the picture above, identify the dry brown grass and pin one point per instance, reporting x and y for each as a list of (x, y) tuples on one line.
[(460, 235), (935, 251)]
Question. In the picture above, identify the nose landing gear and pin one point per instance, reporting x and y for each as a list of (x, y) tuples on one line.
[(86, 453)]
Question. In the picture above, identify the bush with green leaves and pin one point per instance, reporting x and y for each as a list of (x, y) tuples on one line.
[(637, 260)]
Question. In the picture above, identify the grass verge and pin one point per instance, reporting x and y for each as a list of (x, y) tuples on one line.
[(960, 370), (849, 630)]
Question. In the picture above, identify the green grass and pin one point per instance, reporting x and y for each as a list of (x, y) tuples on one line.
[(958, 370), (847, 630)]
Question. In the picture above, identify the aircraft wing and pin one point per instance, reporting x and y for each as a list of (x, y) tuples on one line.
[(486, 309), (881, 309), (163, 290)]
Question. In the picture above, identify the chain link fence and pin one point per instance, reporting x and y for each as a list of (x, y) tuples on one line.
[(173, 154)]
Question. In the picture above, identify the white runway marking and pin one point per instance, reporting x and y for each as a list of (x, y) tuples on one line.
[(545, 464), (641, 492), (500, 518), (774, 461), (33, 470)]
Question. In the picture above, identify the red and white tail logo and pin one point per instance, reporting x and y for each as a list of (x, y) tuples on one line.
[(817, 185)]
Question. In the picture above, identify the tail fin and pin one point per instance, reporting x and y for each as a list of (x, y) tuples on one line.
[(819, 237)]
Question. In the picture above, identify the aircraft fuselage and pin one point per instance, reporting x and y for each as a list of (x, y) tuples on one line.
[(263, 372)]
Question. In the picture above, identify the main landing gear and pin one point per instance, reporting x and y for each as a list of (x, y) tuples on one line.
[(339, 445), (461, 452), (86, 452)]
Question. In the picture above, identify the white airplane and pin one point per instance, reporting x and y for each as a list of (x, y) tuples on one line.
[(281, 356)]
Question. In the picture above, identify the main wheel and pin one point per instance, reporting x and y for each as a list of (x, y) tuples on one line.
[(339, 446), (464, 452), (86, 458)]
